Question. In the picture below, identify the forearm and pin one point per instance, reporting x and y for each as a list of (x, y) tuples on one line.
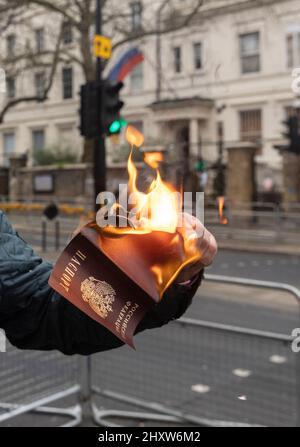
[(34, 316), (48, 321)]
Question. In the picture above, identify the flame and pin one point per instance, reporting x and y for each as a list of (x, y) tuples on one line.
[(134, 136), (153, 159), (156, 210), (154, 227), (221, 203)]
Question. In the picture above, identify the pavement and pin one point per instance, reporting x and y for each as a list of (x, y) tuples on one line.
[(251, 239)]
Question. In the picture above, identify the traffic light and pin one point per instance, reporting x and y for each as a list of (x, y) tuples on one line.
[(100, 108), (112, 105), (292, 135), (90, 109), (200, 165)]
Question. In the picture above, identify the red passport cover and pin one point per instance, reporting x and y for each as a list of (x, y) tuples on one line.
[(94, 284), (112, 279)]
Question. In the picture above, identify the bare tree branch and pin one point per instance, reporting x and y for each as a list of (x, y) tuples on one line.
[(130, 37), (61, 9), (13, 102), (81, 15)]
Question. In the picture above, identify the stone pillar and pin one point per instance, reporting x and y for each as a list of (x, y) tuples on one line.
[(194, 136), (16, 162), (291, 177), (240, 173)]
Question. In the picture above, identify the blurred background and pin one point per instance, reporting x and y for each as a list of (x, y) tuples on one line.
[(214, 86)]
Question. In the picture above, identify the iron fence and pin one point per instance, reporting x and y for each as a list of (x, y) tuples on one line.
[(255, 221)]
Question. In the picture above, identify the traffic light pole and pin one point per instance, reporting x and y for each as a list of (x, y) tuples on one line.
[(99, 144)]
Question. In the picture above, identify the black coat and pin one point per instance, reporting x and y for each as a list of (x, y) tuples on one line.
[(34, 316)]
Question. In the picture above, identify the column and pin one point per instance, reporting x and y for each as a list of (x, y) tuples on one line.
[(194, 136), (291, 177), (240, 173)]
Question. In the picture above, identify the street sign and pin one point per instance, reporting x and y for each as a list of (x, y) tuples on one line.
[(102, 46)]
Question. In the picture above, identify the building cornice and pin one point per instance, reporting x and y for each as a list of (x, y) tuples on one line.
[(233, 8), (176, 103)]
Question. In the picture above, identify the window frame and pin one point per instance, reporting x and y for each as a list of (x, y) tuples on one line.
[(295, 43), (8, 90), (4, 135), (200, 45), (256, 139), (137, 69), (64, 88), (67, 31), (256, 53), (35, 131), (136, 25), (43, 77), (11, 45), (39, 39), (177, 59)]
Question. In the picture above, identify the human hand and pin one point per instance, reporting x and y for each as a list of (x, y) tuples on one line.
[(203, 241)]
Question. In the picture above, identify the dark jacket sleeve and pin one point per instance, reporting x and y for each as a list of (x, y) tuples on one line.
[(34, 316)]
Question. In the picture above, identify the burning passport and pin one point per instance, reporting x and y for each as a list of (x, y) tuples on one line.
[(116, 273)]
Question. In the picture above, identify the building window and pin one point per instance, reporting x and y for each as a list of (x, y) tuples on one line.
[(10, 87), (136, 16), (39, 40), (249, 52), (38, 140), (197, 56), (67, 33), (293, 49), (67, 80), (9, 143), (11, 45), (177, 59), (40, 84), (251, 126), (8, 146), (137, 78)]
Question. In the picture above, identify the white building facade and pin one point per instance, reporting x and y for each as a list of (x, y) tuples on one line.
[(227, 75)]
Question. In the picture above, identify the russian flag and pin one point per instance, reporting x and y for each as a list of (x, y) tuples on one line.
[(125, 64)]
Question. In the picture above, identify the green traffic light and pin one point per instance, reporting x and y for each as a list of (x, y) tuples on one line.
[(114, 127), (117, 125)]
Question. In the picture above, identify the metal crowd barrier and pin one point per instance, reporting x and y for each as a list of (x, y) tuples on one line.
[(183, 374), (263, 222), (190, 372), (31, 380)]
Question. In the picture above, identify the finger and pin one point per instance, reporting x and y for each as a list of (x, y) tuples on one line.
[(189, 226), (189, 272), (208, 248)]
